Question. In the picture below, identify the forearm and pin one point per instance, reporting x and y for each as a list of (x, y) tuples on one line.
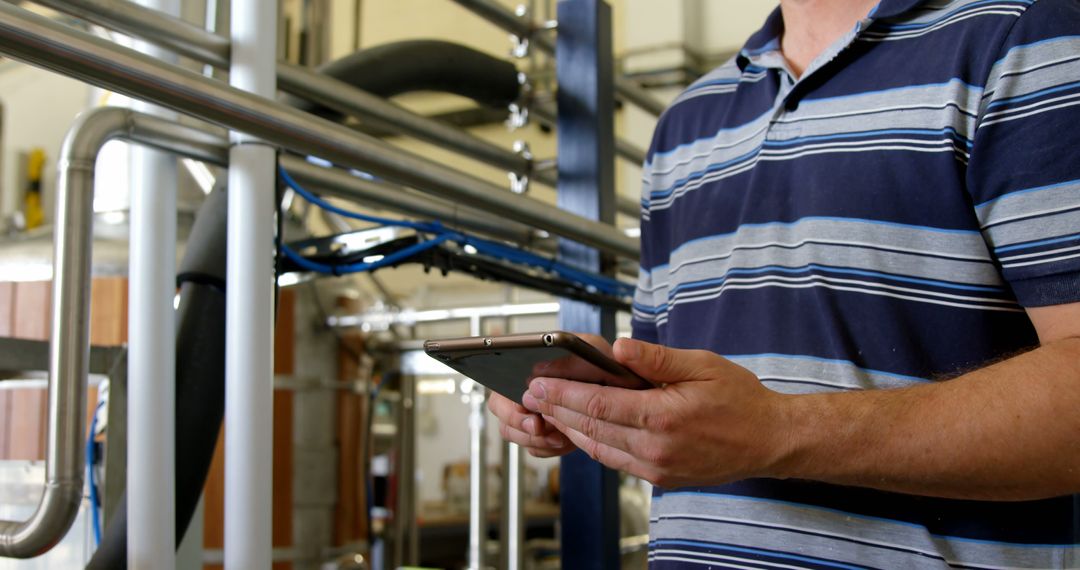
[(1010, 431)]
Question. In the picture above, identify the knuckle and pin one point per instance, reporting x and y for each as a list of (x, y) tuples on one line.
[(593, 449), (658, 422), (590, 427), (597, 406), (661, 358), (656, 454)]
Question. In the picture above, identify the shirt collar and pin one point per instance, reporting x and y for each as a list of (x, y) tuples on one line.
[(892, 8), (767, 39)]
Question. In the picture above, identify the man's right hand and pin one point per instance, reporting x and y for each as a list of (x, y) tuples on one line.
[(529, 430)]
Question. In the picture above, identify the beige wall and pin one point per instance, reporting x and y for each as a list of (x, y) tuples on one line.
[(38, 108)]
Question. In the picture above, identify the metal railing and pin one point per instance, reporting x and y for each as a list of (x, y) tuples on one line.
[(45, 43), (206, 47)]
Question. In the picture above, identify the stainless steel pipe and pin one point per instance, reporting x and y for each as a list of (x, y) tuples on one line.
[(37, 40), (69, 338), (340, 96), (630, 151), (623, 148), (155, 27), (199, 44), (383, 195), (478, 478)]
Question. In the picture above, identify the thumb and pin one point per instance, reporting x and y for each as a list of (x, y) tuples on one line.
[(664, 365)]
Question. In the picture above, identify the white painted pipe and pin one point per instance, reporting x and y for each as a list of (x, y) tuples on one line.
[(478, 520), (249, 321), (151, 466)]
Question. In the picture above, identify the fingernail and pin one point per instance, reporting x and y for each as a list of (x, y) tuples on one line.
[(529, 402), (536, 389), (529, 425), (554, 441)]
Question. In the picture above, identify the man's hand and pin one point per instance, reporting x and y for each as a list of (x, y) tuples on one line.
[(711, 423), (529, 430)]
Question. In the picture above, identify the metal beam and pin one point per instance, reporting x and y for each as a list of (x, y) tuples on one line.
[(39, 41), (589, 492)]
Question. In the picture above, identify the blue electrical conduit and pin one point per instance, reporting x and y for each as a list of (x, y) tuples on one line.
[(592, 281)]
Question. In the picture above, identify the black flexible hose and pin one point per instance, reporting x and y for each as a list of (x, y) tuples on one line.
[(200, 376), (423, 65)]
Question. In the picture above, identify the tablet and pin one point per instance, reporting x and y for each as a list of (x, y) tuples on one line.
[(506, 364)]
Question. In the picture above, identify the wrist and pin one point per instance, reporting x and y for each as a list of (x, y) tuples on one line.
[(801, 420)]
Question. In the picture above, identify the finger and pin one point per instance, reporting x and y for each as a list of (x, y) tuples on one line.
[(511, 413), (618, 436), (668, 365), (554, 441), (545, 453), (614, 458), (605, 403)]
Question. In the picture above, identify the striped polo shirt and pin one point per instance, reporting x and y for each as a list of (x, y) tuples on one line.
[(880, 222)]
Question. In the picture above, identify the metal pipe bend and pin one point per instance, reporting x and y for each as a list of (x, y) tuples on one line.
[(69, 345)]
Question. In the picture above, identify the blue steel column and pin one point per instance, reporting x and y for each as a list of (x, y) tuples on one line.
[(586, 151)]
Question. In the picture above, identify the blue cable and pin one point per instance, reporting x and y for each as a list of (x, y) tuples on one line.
[(390, 259), (296, 187), (591, 281), (95, 502)]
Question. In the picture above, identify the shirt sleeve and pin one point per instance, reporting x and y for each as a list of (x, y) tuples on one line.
[(1024, 169)]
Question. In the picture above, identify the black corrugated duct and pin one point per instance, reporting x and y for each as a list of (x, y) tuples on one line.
[(200, 375), (423, 65)]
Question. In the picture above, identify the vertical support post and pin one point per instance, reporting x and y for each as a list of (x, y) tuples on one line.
[(249, 326), (512, 516), (151, 410), (406, 539), (586, 149), (478, 524)]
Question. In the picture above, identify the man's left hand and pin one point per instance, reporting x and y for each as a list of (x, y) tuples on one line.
[(712, 422)]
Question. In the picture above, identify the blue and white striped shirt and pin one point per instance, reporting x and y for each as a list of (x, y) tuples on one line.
[(879, 222)]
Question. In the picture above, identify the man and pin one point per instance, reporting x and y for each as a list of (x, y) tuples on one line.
[(873, 213)]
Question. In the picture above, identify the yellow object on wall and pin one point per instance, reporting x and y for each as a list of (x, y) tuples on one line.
[(33, 210)]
